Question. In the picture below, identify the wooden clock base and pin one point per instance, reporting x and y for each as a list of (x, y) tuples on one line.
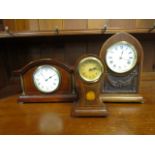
[(46, 98), (89, 111), (136, 98)]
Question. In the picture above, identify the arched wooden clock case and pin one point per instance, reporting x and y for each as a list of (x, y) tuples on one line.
[(122, 87), (64, 93)]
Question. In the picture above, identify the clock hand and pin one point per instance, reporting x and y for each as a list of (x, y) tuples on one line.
[(49, 77), (121, 55), (91, 69)]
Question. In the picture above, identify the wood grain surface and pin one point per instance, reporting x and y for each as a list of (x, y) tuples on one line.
[(55, 118)]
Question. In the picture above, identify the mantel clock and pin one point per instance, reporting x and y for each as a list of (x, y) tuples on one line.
[(46, 80), (88, 77), (123, 57)]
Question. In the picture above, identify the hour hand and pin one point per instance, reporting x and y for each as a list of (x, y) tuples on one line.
[(91, 69)]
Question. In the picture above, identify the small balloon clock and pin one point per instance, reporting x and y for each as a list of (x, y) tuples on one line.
[(88, 77)]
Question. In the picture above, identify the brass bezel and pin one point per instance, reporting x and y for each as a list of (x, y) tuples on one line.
[(86, 59), (133, 48), (53, 68)]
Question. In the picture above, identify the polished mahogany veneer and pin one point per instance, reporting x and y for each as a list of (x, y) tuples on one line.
[(65, 91)]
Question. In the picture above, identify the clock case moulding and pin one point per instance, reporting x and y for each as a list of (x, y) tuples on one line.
[(30, 94), (122, 87), (82, 107)]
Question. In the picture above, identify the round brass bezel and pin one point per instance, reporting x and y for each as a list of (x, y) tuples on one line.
[(42, 67), (134, 50), (87, 59)]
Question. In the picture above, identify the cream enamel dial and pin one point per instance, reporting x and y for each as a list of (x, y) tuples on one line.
[(121, 57), (46, 78), (90, 69)]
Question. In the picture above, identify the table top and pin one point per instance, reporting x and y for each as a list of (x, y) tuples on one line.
[(55, 118)]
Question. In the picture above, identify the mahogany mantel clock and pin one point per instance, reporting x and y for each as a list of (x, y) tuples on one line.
[(88, 77), (123, 57), (46, 80)]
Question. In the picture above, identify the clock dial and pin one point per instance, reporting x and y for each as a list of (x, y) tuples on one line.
[(121, 57), (46, 78), (90, 69)]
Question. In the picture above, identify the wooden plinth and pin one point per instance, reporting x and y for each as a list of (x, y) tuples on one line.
[(46, 98), (135, 98), (86, 111)]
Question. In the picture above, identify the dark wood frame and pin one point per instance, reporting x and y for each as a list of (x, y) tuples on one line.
[(127, 96), (65, 92)]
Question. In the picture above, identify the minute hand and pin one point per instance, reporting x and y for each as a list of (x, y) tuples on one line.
[(49, 77), (121, 54)]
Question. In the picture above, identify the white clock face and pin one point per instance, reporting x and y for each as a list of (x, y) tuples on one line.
[(46, 78), (121, 57)]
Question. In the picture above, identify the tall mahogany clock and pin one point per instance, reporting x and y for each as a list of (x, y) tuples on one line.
[(88, 77), (46, 80), (123, 57)]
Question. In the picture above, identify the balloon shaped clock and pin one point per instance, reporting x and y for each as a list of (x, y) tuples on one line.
[(88, 78)]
